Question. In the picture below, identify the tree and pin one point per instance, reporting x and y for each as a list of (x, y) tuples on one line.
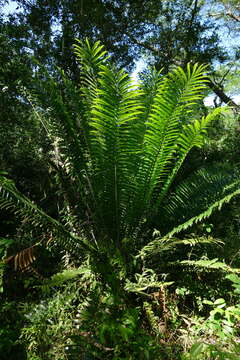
[(228, 9), (166, 32), (182, 34), (117, 150), (17, 128), (20, 136), (54, 26)]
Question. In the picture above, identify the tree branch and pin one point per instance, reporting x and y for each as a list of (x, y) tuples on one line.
[(221, 94), (194, 13), (144, 45), (233, 16), (216, 89)]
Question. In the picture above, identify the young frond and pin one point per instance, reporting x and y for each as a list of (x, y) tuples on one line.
[(90, 56), (114, 144)]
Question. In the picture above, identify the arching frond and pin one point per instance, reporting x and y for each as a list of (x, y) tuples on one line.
[(217, 205), (194, 200), (207, 188), (13, 200), (210, 264), (167, 243), (193, 134)]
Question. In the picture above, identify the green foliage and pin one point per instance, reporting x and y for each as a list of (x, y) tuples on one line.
[(145, 281), (215, 336), (168, 242), (120, 159), (210, 264), (120, 330), (104, 160), (77, 318), (4, 244), (51, 323), (116, 151), (11, 321), (222, 319), (202, 351)]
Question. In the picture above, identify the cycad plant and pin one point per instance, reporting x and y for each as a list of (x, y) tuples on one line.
[(116, 151)]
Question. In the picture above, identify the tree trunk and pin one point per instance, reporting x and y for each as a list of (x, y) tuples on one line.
[(225, 98)]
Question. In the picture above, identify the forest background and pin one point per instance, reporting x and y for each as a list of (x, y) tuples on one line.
[(53, 303)]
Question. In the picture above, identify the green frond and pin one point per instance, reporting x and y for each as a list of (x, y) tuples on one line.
[(207, 188), (165, 124), (114, 137), (175, 97), (168, 243), (12, 199), (66, 275), (67, 130), (194, 200), (91, 57), (149, 84), (147, 280), (217, 205), (193, 134), (212, 264)]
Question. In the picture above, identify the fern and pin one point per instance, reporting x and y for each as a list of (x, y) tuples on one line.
[(66, 275), (213, 264), (145, 281), (206, 186), (167, 243), (117, 149)]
